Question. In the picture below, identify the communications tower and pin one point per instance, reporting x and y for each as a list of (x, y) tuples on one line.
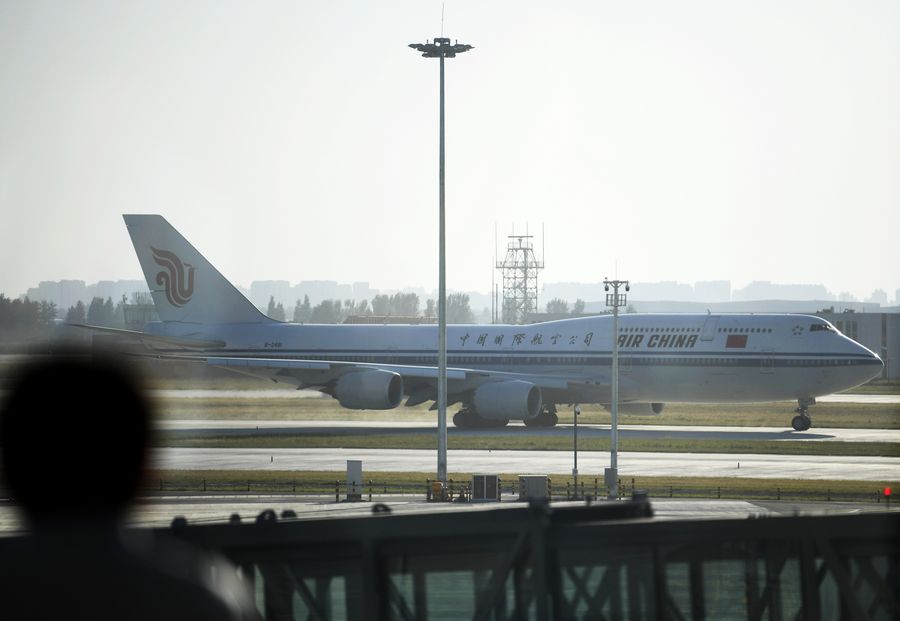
[(520, 270)]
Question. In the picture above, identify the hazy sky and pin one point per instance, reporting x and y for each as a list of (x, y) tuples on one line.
[(298, 140)]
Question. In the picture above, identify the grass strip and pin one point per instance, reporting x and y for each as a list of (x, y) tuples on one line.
[(385, 484), (778, 414), (531, 443)]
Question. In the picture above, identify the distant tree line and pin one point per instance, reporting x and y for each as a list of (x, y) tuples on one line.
[(99, 312), (23, 319), (383, 305), (558, 306)]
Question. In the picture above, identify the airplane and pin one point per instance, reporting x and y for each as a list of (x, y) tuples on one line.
[(496, 372)]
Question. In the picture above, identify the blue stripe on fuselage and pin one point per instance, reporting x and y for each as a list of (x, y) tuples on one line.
[(519, 359)]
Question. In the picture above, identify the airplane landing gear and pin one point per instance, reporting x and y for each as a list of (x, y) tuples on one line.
[(547, 418), (467, 419), (802, 421)]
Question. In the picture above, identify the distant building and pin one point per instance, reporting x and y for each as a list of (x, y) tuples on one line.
[(52, 291), (70, 292), (362, 291), (878, 297), (262, 290), (665, 290), (66, 293), (766, 290), (712, 291), (748, 306), (319, 290), (571, 291), (107, 289)]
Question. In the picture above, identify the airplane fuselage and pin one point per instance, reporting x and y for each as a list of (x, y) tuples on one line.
[(497, 372), (662, 357)]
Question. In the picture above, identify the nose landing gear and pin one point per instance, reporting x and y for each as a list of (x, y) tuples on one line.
[(802, 421)]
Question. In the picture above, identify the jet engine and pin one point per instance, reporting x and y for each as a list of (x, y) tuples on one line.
[(639, 409), (369, 390), (514, 399)]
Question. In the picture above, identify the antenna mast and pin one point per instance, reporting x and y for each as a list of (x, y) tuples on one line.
[(520, 270)]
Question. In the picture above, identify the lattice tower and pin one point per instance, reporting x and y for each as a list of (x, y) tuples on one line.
[(520, 270)]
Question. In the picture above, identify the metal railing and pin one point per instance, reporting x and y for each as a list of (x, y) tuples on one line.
[(560, 488), (605, 561)]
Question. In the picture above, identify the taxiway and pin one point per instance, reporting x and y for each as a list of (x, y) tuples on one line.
[(237, 428), (631, 464)]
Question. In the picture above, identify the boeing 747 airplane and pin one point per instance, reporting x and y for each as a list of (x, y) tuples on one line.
[(496, 372)]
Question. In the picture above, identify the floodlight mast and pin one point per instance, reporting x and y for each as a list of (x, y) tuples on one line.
[(614, 300), (576, 412), (441, 48)]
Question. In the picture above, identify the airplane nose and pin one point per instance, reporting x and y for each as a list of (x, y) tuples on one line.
[(872, 361), (867, 357)]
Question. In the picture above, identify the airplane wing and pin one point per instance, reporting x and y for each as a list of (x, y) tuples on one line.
[(151, 340), (305, 370), (420, 381)]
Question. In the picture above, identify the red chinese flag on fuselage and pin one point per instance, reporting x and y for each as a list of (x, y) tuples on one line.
[(736, 340)]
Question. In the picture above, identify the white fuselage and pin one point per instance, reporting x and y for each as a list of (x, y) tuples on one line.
[(662, 357)]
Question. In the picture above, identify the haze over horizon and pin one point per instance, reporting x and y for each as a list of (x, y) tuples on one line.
[(691, 142), (263, 292)]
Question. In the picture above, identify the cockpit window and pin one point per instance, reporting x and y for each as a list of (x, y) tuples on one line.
[(820, 327)]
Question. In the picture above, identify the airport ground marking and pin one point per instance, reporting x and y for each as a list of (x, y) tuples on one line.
[(526, 442)]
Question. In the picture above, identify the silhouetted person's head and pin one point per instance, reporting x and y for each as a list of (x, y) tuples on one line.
[(74, 432)]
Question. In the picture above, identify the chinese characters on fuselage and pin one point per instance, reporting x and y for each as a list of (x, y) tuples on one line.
[(649, 341)]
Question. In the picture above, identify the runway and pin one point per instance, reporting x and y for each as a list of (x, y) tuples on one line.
[(850, 398), (400, 428), (590, 463)]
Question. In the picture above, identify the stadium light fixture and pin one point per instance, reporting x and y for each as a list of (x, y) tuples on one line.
[(441, 48)]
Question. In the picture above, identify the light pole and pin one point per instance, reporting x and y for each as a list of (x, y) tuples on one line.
[(576, 411), (615, 301), (441, 48)]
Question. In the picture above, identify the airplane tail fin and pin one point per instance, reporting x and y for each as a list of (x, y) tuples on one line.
[(184, 285)]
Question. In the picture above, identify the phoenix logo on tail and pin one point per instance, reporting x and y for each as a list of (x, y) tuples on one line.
[(178, 293)]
